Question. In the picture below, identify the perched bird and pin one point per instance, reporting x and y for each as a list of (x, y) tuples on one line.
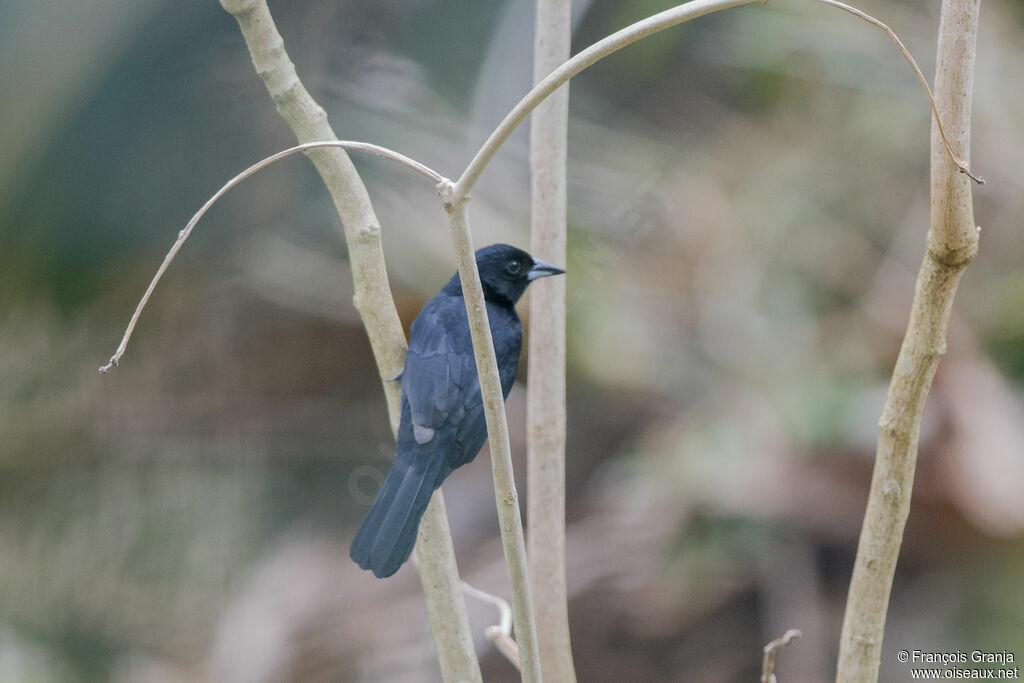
[(443, 425)]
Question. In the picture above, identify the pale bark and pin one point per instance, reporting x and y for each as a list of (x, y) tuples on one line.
[(454, 197), (546, 418), (952, 243), (580, 61), (510, 520), (439, 575)]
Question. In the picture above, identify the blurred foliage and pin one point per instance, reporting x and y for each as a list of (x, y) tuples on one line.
[(748, 205)]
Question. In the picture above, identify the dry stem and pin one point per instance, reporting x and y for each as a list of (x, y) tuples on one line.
[(509, 517), (960, 163), (546, 419), (438, 572), (952, 243), (771, 651), (184, 233), (499, 634)]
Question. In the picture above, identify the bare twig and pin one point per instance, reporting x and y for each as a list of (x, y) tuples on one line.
[(255, 168), (505, 644), (771, 651), (545, 421), (499, 634), (579, 62), (372, 297), (960, 163), (952, 243)]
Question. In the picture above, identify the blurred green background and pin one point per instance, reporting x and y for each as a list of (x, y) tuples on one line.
[(748, 205)]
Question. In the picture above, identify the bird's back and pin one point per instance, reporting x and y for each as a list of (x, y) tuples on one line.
[(440, 380)]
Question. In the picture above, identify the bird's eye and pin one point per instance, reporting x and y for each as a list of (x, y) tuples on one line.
[(514, 267)]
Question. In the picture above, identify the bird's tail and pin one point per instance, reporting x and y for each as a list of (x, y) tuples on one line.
[(388, 533)]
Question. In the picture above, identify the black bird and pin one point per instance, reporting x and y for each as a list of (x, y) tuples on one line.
[(443, 425)]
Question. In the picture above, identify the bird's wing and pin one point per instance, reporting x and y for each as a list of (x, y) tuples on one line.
[(437, 370), (471, 433)]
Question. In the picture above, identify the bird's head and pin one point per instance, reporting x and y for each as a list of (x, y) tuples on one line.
[(506, 271)]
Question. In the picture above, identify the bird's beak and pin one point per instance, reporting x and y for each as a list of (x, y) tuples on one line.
[(542, 269)]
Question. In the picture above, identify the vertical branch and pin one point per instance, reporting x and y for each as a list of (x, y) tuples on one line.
[(952, 243), (509, 518), (442, 591), (439, 574), (546, 381)]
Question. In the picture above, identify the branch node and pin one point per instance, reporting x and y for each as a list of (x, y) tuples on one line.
[(891, 488), (452, 197), (955, 259)]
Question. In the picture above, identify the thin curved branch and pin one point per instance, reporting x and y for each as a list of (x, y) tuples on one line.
[(255, 168), (499, 634), (628, 36), (578, 63), (960, 163)]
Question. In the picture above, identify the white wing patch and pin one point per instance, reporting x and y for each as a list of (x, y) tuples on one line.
[(422, 434)]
